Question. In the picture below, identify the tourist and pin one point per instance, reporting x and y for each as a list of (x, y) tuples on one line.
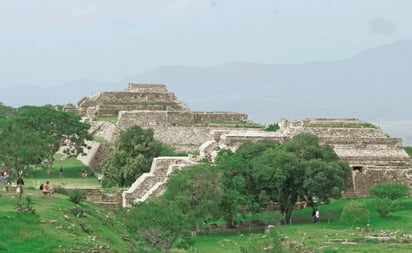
[(99, 178), (61, 172), (20, 184), (316, 216), (46, 189)]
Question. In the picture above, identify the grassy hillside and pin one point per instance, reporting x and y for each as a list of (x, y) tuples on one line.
[(58, 225)]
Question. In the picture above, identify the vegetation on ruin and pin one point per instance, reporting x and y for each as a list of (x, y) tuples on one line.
[(111, 119), (408, 150), (272, 127), (100, 139), (245, 124), (343, 125)]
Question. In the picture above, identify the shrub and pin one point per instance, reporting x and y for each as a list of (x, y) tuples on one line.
[(355, 213), (389, 190), (385, 206), (76, 196), (272, 127), (61, 190), (25, 206)]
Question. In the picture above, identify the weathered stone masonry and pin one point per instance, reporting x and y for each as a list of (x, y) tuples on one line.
[(372, 155)]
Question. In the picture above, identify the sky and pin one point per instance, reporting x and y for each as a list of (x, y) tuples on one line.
[(49, 43)]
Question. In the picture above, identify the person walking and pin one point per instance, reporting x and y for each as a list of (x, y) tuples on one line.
[(316, 219), (20, 184)]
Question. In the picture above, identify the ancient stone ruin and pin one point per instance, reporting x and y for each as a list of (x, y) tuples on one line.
[(373, 156)]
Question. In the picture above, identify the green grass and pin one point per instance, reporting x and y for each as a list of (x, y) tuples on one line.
[(111, 119), (55, 228), (321, 237)]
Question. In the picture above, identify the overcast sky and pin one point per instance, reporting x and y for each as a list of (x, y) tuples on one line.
[(49, 42)]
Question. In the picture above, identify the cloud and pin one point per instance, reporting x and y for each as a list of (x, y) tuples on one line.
[(381, 26), (83, 10)]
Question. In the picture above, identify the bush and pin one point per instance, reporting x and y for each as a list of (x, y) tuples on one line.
[(389, 190), (25, 206), (61, 190), (76, 196), (355, 213), (385, 206), (272, 127)]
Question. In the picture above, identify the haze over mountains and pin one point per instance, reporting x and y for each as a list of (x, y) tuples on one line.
[(373, 86)]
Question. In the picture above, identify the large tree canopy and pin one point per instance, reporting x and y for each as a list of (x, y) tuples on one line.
[(300, 169), (132, 155), (56, 128), (34, 134)]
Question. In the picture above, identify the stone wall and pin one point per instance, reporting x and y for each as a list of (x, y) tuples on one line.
[(149, 119), (185, 131)]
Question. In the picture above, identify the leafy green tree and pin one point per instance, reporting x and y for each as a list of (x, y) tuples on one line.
[(300, 169), (132, 155), (234, 185), (197, 192), (20, 147), (56, 128), (159, 224), (389, 190)]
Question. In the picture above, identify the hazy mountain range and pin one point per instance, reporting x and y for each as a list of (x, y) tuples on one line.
[(373, 86)]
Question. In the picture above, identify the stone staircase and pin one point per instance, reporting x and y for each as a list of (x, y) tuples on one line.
[(153, 183)]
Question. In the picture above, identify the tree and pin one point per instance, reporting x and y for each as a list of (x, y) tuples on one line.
[(300, 170), (158, 223), (197, 192), (20, 147), (234, 185), (132, 155), (55, 128)]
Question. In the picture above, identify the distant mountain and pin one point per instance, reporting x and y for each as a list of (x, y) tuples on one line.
[(374, 86)]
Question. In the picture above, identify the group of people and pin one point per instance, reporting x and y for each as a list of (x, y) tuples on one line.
[(5, 177), (84, 173)]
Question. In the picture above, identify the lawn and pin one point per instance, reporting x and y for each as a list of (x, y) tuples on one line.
[(330, 235)]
